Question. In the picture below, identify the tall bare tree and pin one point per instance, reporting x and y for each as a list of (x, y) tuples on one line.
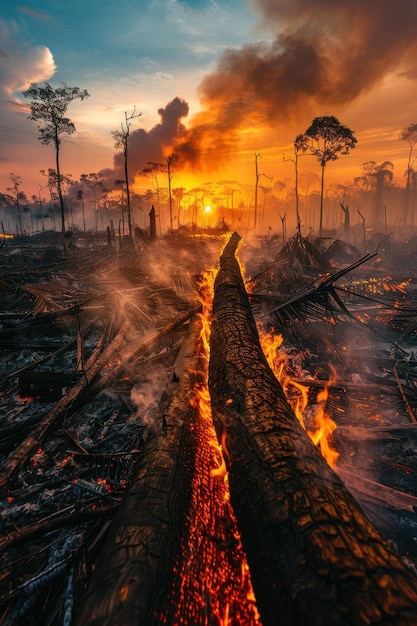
[(325, 139), (18, 197), (169, 160), (409, 135), (298, 146), (121, 140), (382, 174), (48, 107)]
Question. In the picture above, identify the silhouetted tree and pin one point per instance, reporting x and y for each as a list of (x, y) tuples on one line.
[(48, 107), (325, 139), (152, 170), (298, 146), (409, 135), (346, 225), (18, 196), (80, 198), (382, 174), (94, 183), (229, 188), (366, 180), (257, 175), (178, 193), (120, 185), (169, 160), (266, 189), (121, 140)]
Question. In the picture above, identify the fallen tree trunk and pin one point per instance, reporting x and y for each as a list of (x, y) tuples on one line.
[(313, 555), (172, 555)]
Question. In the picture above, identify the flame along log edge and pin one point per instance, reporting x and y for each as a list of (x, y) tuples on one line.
[(314, 557)]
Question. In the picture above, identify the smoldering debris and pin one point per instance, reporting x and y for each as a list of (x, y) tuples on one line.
[(79, 338), (110, 326), (361, 347)]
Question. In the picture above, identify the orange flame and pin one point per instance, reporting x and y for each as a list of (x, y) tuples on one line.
[(202, 395), (325, 427), (225, 590), (297, 396)]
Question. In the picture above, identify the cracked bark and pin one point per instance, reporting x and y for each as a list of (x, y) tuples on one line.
[(315, 559)]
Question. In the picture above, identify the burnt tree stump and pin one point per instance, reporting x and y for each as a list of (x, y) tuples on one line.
[(314, 557)]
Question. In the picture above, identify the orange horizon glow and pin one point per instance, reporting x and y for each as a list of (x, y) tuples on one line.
[(237, 167), (377, 144)]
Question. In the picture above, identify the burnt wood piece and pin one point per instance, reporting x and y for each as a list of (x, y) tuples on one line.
[(46, 385), (313, 555), (34, 364), (173, 554)]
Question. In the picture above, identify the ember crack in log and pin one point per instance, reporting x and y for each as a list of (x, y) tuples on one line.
[(173, 555), (313, 555)]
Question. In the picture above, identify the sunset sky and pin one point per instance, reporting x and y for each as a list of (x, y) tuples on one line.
[(215, 82)]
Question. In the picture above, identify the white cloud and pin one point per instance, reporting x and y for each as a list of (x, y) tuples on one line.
[(20, 63)]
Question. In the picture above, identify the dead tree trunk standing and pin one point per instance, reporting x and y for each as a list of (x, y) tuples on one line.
[(152, 224), (346, 225), (173, 554), (313, 555)]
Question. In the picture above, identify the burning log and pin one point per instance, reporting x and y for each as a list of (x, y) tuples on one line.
[(173, 555), (313, 555)]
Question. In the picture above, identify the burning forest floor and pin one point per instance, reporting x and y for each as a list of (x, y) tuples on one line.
[(89, 352)]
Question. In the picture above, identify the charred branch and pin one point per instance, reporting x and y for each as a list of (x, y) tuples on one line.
[(24, 449)]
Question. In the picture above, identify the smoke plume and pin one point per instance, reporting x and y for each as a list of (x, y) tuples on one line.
[(319, 55), (323, 54), (153, 145)]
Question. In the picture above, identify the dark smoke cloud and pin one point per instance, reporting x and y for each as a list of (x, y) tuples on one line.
[(153, 145), (325, 53)]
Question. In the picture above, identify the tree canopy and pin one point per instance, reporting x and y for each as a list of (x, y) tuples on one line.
[(49, 105), (325, 139)]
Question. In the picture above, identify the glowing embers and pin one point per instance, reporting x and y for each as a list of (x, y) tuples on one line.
[(211, 584), (213, 579), (312, 416)]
